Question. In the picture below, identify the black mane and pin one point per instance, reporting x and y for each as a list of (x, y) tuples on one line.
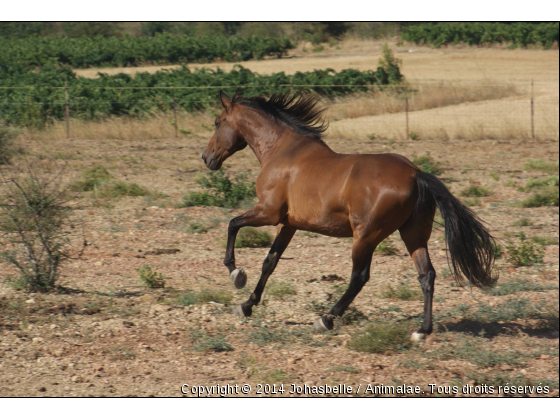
[(299, 111)]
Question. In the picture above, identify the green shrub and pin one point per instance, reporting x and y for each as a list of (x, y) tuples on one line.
[(517, 286), (387, 248), (6, 144), (536, 184), (205, 342), (36, 230), (196, 227), (206, 295), (526, 253), (222, 191), (545, 240), (102, 183), (281, 289), (541, 165), (151, 279), (473, 191), (381, 337), (547, 196), (250, 237), (523, 222), (402, 292), (427, 164)]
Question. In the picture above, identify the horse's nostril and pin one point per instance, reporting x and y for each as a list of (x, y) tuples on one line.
[(204, 158)]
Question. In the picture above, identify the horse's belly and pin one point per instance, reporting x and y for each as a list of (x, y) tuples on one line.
[(330, 224)]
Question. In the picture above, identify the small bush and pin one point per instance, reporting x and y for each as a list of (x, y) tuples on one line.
[(196, 227), (544, 197), (473, 191), (536, 184), (541, 165), (102, 183), (427, 164), (282, 289), (523, 222), (250, 237), (545, 240), (526, 253), (387, 248), (206, 295), (7, 149), (222, 191), (35, 228), (402, 292), (150, 278), (204, 342), (517, 286), (381, 337)]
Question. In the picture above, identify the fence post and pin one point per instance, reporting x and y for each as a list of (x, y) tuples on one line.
[(532, 109), (67, 109), (406, 112), (175, 117)]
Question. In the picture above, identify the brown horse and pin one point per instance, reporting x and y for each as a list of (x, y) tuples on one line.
[(305, 185)]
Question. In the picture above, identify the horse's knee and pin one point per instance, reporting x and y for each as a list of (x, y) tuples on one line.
[(427, 281)]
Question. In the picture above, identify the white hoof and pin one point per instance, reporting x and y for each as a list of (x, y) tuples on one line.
[(239, 278), (319, 325), (238, 311), (418, 336)]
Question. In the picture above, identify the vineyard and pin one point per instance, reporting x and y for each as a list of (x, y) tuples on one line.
[(99, 51), (517, 34), (36, 98)]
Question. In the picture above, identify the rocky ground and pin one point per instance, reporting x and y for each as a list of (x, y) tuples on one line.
[(104, 334)]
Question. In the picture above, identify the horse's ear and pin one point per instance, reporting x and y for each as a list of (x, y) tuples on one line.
[(226, 102), (236, 97)]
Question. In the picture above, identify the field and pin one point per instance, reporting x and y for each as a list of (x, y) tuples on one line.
[(104, 333)]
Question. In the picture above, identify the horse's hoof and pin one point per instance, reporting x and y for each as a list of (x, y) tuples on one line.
[(319, 325), (238, 310), (239, 278), (418, 336)]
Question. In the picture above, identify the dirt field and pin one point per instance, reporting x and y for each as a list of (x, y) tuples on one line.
[(105, 334)]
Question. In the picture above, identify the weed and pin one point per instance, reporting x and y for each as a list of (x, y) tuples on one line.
[(122, 353), (206, 295), (427, 164), (495, 176), (535, 184), (523, 222), (541, 165), (387, 248), (204, 342), (402, 292), (222, 191), (516, 286), (474, 191), (36, 228), (7, 149), (102, 183), (472, 202), (344, 368), (547, 196), (282, 289), (545, 240), (381, 337), (196, 227), (414, 136), (151, 279), (250, 237), (526, 253)]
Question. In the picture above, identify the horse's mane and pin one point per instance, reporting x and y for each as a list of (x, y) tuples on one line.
[(299, 111)]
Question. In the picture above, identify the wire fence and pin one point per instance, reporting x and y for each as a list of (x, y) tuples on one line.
[(410, 108)]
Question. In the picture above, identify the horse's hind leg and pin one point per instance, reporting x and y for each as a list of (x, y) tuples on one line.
[(362, 252), (415, 234), (283, 238)]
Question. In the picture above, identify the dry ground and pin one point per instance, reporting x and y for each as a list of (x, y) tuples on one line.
[(105, 334)]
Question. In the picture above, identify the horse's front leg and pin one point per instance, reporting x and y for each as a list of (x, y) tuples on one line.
[(256, 217)]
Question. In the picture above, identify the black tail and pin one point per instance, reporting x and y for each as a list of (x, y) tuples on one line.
[(471, 248)]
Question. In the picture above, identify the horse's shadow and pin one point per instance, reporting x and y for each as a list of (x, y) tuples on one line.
[(493, 329)]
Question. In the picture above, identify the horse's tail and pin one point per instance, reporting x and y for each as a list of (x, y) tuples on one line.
[(471, 248)]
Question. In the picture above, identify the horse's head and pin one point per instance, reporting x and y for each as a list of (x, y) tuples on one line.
[(226, 139)]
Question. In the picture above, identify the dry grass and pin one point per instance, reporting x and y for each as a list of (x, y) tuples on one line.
[(128, 128)]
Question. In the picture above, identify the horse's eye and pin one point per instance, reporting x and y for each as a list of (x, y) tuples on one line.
[(217, 124)]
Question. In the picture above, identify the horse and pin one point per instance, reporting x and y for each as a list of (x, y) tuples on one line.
[(305, 185)]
